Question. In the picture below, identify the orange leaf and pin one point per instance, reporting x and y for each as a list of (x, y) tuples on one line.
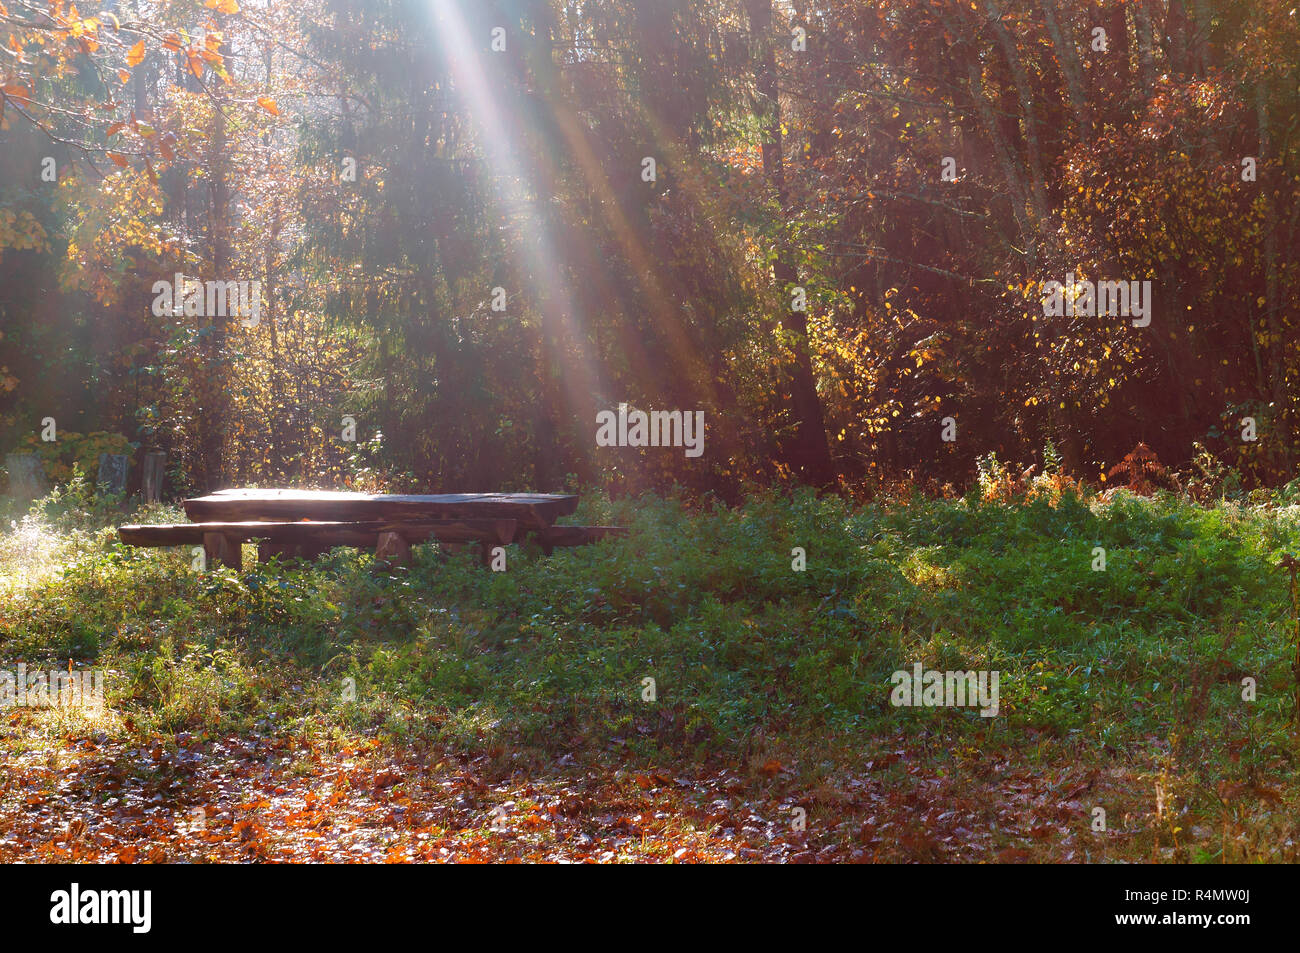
[(228, 6), (196, 65), (171, 42), (115, 128), (123, 75), (117, 159), (269, 105), (136, 56)]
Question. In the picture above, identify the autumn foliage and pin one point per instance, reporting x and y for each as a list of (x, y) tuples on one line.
[(913, 173)]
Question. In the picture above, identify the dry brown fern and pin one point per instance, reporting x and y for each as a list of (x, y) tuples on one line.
[(1144, 471)]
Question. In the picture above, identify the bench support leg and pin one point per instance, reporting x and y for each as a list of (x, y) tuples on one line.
[(286, 551), (223, 550), (393, 549)]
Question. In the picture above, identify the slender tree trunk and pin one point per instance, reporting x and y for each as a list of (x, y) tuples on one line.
[(215, 405), (1145, 31), (1029, 124), (1118, 41), (1272, 303), (808, 454), (1204, 54), (1007, 161), (1176, 29), (1067, 53), (278, 441)]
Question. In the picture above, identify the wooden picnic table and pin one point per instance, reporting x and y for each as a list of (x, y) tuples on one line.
[(306, 523)]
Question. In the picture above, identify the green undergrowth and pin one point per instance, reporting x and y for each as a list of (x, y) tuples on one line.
[(554, 654)]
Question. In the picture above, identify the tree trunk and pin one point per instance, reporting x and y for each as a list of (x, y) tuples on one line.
[(214, 408), (113, 470), (1272, 302), (26, 476), (1029, 124), (1068, 56), (1145, 31), (808, 454), (1011, 170), (152, 473)]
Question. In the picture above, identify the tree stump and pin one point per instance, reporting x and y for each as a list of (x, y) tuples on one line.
[(152, 474), (26, 476), (113, 468)]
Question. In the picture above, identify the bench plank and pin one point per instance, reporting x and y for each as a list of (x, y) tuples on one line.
[(391, 540), (323, 532), (533, 510)]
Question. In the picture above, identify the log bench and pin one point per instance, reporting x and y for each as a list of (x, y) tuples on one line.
[(304, 524)]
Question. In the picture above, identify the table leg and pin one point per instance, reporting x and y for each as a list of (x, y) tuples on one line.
[(286, 551), (393, 549), (223, 550)]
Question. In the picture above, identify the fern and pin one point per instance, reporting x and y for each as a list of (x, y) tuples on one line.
[(1143, 469)]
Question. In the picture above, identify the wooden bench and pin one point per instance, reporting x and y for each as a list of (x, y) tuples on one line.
[(305, 524)]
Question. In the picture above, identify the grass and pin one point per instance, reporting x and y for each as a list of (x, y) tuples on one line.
[(1120, 689)]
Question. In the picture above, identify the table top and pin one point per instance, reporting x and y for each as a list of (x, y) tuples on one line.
[(271, 504)]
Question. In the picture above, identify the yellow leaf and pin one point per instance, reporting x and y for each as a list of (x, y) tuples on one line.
[(269, 105), (228, 6), (136, 56)]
